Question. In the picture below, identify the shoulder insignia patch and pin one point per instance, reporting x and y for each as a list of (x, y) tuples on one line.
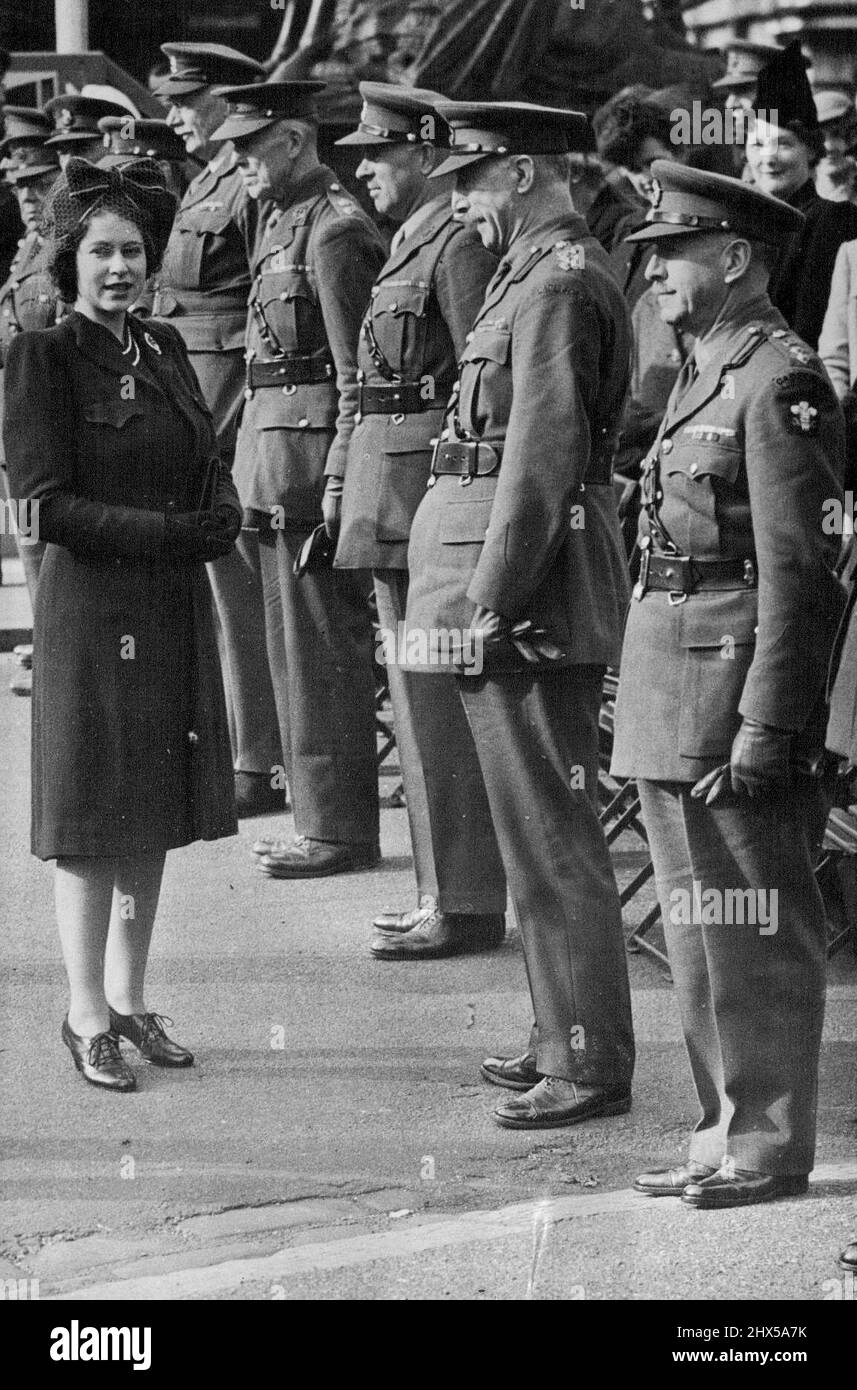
[(803, 418), (569, 255)]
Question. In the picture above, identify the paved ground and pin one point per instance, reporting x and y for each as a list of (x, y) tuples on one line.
[(334, 1140)]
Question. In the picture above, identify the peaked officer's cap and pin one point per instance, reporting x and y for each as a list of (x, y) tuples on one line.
[(197, 65), (483, 129), (744, 62), (76, 117), (688, 201), (394, 115), (253, 108), (130, 137), (29, 162), (24, 125)]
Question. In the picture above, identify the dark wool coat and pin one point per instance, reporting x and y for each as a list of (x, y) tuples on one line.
[(130, 742), (800, 283)]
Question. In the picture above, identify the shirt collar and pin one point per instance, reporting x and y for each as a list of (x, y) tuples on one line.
[(712, 343)]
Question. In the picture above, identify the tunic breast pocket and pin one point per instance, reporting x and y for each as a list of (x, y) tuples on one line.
[(704, 475), (486, 355), (193, 232), (718, 638), (290, 311), (399, 324)]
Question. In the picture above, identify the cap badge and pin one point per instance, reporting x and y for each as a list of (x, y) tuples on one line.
[(803, 417), (65, 118)]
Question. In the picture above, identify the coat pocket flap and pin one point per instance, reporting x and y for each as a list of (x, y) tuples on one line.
[(465, 522), (488, 345), (204, 218), (412, 434), (111, 411), (283, 287)]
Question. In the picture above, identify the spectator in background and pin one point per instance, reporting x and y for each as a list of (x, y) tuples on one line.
[(836, 171), (11, 229), (782, 158)]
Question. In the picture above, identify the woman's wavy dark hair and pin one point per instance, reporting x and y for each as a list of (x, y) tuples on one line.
[(62, 266), (624, 122)]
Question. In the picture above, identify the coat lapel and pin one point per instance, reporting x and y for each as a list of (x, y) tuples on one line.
[(425, 232)]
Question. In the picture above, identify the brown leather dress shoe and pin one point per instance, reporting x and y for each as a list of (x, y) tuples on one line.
[(307, 858), (147, 1033), (848, 1258), (515, 1073), (406, 921), (741, 1187), (99, 1060), (671, 1182), (555, 1102), (439, 935)]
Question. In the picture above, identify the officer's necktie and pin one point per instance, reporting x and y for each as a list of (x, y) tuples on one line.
[(685, 379)]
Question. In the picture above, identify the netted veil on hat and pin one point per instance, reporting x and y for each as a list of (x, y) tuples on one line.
[(136, 191)]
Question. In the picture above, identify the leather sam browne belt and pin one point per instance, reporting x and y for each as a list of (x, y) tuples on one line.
[(682, 574), (290, 371), (480, 458), (401, 398)]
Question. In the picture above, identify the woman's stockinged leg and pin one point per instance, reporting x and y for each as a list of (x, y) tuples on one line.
[(83, 891), (135, 892)]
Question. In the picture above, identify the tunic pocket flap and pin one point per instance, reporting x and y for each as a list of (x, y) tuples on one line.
[(307, 407), (400, 299), (283, 287), (204, 218), (465, 522), (488, 345), (699, 459), (714, 625), (112, 411)]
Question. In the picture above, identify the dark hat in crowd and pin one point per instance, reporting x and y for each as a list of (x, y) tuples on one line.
[(783, 87), (744, 61), (136, 192), (394, 115), (197, 65), (25, 162), (131, 137), (484, 129), (76, 118), (689, 201), (24, 125), (251, 109)]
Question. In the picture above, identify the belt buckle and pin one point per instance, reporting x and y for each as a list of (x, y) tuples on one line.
[(675, 597)]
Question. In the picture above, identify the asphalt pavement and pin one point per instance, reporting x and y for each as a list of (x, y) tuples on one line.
[(334, 1140)]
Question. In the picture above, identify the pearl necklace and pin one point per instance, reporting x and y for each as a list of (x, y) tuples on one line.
[(132, 344)]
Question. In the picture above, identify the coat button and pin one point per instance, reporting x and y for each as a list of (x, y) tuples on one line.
[(334, 187), (694, 468), (393, 307), (302, 424), (667, 446), (193, 738)]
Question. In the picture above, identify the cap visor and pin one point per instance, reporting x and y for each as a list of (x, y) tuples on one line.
[(358, 138), (659, 231), (75, 137), (735, 82), (32, 171), (175, 86), (241, 128), (453, 162)]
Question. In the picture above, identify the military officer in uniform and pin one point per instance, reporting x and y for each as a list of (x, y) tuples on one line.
[(516, 548), (29, 298), (204, 283), (423, 304), (76, 120), (720, 714), (315, 265), (126, 138)]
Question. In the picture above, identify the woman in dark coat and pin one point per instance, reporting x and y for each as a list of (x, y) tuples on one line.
[(110, 444)]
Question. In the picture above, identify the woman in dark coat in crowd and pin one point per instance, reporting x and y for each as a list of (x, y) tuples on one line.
[(107, 435)]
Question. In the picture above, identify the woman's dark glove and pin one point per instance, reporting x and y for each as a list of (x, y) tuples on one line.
[(189, 537), (228, 522)]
